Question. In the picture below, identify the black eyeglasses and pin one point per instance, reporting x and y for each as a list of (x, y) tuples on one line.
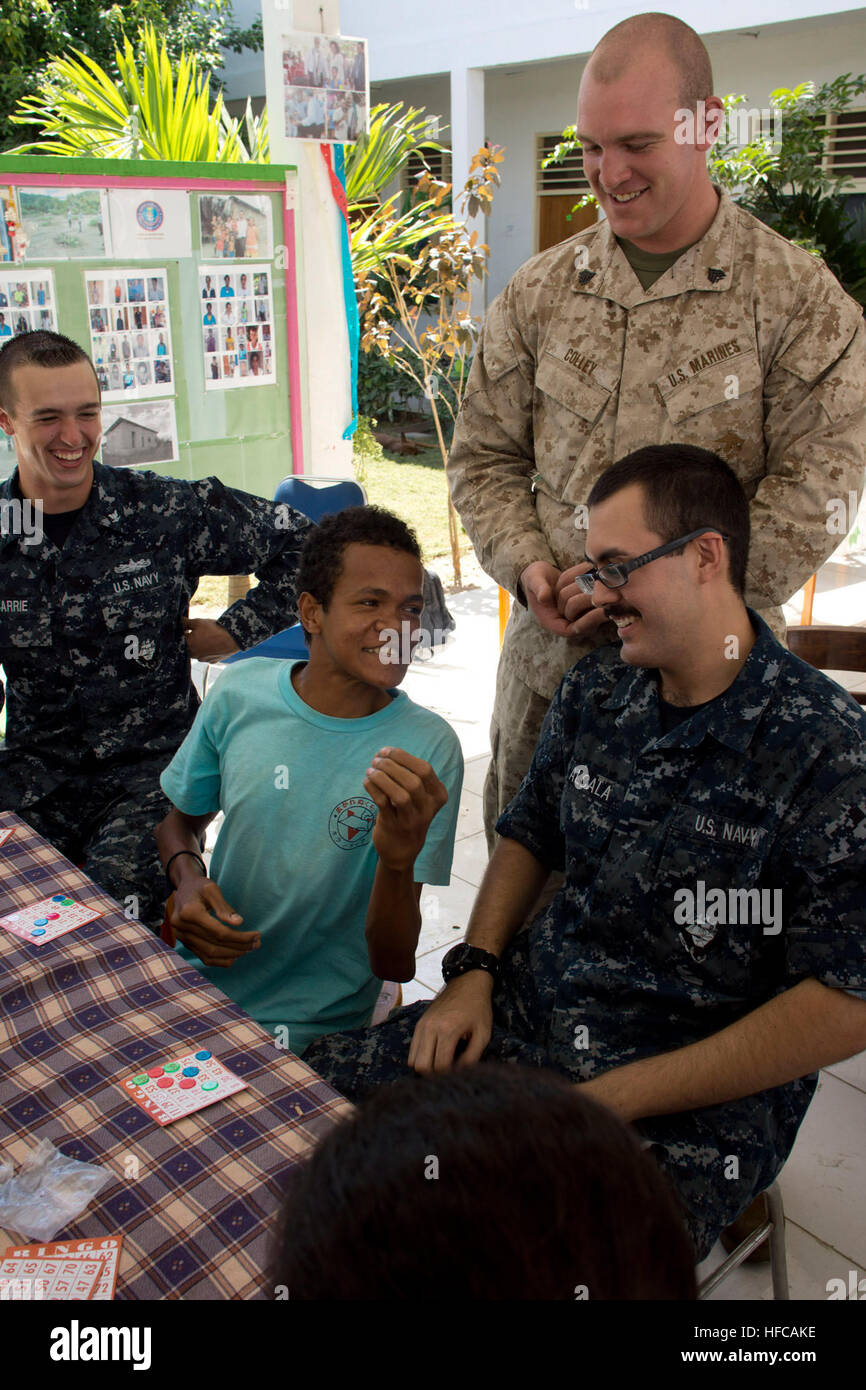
[(614, 576)]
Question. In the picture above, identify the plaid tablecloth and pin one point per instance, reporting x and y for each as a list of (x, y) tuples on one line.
[(194, 1201)]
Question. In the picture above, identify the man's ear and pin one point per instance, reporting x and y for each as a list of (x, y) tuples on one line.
[(6, 423), (714, 119), (712, 559), (309, 610)]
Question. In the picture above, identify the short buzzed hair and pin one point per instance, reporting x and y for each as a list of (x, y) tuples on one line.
[(40, 349), (615, 52)]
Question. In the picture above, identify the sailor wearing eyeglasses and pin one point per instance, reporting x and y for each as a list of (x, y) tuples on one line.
[(701, 789)]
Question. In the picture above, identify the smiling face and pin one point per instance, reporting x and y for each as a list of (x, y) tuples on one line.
[(658, 612), (378, 592), (55, 420), (654, 191)]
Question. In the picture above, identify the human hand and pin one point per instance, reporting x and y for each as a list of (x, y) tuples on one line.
[(198, 914), (538, 582), (462, 1012), (408, 794), (574, 605), (207, 641)]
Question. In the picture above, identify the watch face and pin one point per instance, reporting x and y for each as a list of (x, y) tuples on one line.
[(457, 955), (461, 958)]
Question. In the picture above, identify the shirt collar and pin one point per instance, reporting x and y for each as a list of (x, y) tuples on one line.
[(731, 718), (100, 511), (601, 266)]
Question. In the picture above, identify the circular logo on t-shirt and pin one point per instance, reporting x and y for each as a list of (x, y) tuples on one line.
[(351, 823), (149, 215)]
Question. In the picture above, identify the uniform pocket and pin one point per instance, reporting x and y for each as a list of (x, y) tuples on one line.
[(691, 388), (589, 807), (141, 623), (565, 386), (708, 909), (25, 622)]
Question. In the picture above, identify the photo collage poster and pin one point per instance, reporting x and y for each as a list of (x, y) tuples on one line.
[(129, 332), (325, 88), (26, 302), (237, 318)]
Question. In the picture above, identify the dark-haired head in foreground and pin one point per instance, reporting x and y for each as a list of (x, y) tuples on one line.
[(484, 1184)]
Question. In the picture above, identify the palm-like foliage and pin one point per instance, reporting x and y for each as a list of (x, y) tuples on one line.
[(382, 230), (161, 110)]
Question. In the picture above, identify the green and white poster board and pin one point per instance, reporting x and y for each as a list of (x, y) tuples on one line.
[(180, 282)]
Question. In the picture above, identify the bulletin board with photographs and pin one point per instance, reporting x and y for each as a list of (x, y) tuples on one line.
[(325, 87), (129, 266)]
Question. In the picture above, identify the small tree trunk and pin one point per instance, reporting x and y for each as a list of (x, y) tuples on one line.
[(453, 533)]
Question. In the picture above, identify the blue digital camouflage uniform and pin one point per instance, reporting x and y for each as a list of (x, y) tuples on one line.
[(764, 788), (98, 688)]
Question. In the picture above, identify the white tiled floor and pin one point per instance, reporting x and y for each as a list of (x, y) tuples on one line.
[(824, 1181)]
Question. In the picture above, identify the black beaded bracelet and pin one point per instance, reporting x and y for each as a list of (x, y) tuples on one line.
[(172, 886)]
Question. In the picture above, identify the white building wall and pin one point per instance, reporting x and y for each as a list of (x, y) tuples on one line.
[(411, 37), (414, 46), (534, 98)]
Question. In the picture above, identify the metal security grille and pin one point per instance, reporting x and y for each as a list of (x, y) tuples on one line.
[(437, 161), (567, 177), (845, 145)]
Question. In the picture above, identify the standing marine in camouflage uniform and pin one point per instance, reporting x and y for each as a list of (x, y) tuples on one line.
[(678, 318), (703, 791), (95, 640)]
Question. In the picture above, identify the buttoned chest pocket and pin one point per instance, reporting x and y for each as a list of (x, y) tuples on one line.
[(709, 913), (719, 407), (142, 623), (589, 810), (25, 622), (568, 406)]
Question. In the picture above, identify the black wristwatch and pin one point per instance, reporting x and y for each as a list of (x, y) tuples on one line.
[(463, 957)]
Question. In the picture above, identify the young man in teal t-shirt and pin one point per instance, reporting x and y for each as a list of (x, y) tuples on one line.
[(340, 797)]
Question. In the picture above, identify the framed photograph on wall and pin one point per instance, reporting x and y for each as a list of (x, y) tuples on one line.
[(235, 226)]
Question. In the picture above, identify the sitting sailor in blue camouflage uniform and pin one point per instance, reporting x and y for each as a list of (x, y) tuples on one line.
[(703, 791), (97, 568)]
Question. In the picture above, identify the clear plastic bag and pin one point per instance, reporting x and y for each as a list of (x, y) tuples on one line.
[(48, 1192)]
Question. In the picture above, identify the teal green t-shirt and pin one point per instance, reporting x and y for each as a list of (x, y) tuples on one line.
[(294, 855)]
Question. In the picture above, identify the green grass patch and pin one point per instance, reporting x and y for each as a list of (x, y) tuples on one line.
[(414, 488), (212, 591)]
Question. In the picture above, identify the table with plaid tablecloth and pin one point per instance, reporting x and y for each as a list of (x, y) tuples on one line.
[(195, 1201)]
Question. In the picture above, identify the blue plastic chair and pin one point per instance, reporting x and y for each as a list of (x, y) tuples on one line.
[(316, 498)]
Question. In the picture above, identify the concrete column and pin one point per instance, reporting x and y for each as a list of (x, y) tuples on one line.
[(325, 367), (467, 135)]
